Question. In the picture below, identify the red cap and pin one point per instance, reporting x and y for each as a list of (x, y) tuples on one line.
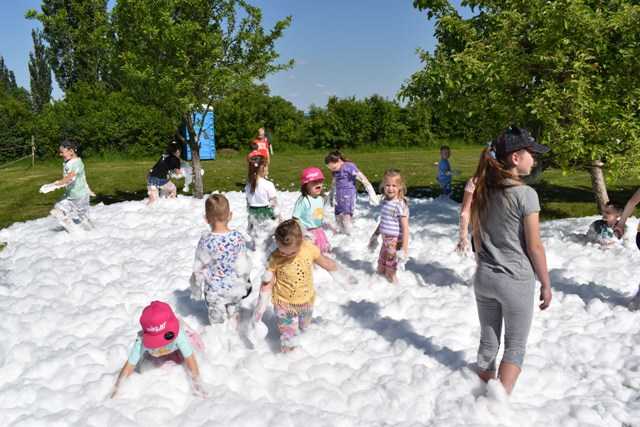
[(157, 320)]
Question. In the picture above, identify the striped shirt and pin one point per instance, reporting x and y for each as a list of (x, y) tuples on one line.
[(392, 211)]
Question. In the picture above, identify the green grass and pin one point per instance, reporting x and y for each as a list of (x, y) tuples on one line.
[(115, 180)]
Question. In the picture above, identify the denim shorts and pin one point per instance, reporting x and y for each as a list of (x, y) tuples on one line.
[(154, 181)]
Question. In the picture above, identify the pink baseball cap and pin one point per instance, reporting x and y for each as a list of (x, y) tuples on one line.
[(159, 325), (311, 174)]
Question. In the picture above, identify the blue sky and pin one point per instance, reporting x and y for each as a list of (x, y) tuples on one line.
[(341, 47)]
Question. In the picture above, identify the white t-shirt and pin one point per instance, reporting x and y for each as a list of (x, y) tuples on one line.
[(265, 191)]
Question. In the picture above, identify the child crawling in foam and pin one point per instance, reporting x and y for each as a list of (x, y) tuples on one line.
[(163, 337)]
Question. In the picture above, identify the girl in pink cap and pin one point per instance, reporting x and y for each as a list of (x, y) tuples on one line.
[(309, 208), (162, 336)]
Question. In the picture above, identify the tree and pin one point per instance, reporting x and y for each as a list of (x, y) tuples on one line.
[(40, 73), (7, 78), (185, 55), (79, 40), (15, 116), (568, 70)]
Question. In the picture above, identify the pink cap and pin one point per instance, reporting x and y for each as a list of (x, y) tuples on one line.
[(311, 174), (159, 325)]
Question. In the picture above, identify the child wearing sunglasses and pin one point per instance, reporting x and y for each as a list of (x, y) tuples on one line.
[(163, 337), (309, 208)]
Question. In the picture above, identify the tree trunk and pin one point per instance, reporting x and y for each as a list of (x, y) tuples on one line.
[(198, 188), (598, 184), (194, 145)]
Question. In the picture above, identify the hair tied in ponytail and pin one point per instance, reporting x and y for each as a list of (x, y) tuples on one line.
[(492, 149)]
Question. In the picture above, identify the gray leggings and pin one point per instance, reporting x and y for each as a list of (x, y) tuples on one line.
[(499, 297)]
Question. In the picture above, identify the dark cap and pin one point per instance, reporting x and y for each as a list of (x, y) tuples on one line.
[(515, 139)]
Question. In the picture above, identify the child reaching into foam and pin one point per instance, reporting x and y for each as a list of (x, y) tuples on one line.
[(288, 282), (393, 226), (343, 187), (158, 183), (163, 337), (309, 208), (71, 211), (220, 269), (262, 198), (601, 231)]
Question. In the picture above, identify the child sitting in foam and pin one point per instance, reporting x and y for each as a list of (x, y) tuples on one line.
[(601, 231), (163, 337), (220, 268)]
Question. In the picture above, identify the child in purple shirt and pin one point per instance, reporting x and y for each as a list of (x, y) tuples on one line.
[(343, 188)]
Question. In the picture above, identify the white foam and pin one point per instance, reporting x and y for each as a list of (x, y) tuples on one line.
[(376, 354)]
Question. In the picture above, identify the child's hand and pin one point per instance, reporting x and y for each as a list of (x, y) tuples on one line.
[(373, 242), (198, 388), (403, 257), (545, 297), (197, 293), (618, 229), (462, 246)]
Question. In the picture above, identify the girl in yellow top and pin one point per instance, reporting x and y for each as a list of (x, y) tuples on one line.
[(288, 282)]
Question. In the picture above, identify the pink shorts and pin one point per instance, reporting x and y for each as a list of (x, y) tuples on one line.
[(320, 239), (387, 260)]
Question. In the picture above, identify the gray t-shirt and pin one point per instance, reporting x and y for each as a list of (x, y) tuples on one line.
[(503, 248)]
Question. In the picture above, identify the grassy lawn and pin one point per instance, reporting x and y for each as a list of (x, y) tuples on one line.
[(119, 180)]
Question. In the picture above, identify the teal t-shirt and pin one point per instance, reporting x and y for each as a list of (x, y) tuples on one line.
[(309, 211), (78, 188), (180, 343)]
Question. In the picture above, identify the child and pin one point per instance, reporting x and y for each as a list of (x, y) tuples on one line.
[(506, 233), (620, 229), (162, 336), (444, 171), (262, 201), (394, 225), (288, 282), (601, 230), (343, 185), (309, 208), (158, 183), (220, 267), (72, 210), (262, 146)]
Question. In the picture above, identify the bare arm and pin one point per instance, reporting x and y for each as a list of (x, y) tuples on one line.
[(67, 179), (125, 372), (535, 251), (373, 197), (404, 229), (192, 366), (326, 263), (628, 210), (465, 217)]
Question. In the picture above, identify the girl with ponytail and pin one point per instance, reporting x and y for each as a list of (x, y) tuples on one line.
[(506, 233), (262, 201)]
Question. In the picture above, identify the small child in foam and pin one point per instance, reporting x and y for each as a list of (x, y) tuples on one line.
[(601, 231), (288, 283), (221, 268), (163, 337)]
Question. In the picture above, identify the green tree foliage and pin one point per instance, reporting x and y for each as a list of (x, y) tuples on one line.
[(185, 55), (79, 40), (240, 114), (373, 121), (40, 73), (15, 116), (104, 120), (569, 70), (7, 78)]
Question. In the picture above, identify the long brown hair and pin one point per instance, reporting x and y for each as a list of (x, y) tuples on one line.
[(256, 166), (492, 174)]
